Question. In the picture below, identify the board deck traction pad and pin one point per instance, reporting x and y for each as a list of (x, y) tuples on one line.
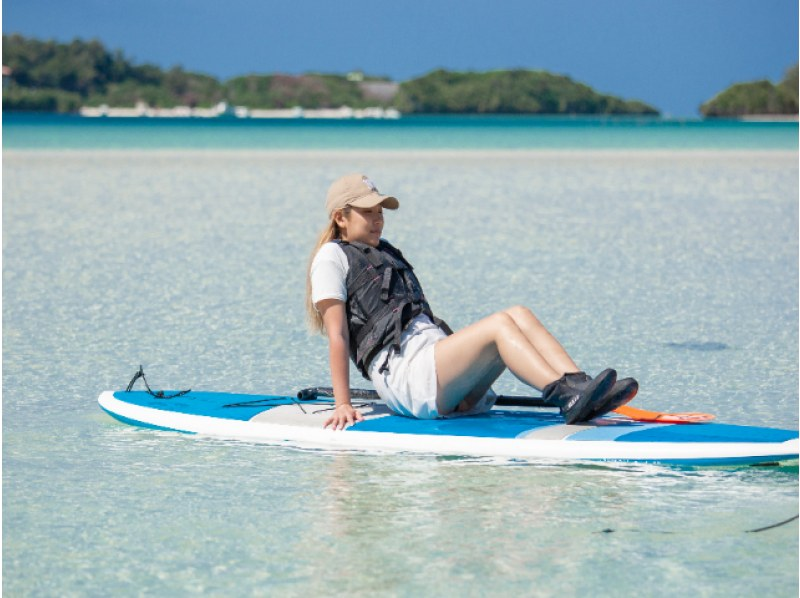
[(502, 432)]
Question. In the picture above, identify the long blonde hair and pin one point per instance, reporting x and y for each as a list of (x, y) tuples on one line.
[(329, 233)]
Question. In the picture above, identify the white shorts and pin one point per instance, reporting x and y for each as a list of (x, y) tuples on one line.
[(409, 384)]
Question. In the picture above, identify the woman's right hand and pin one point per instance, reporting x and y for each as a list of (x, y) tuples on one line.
[(334, 316), (343, 415)]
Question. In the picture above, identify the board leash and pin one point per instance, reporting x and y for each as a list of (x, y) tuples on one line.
[(267, 402), (774, 525), (158, 394), (609, 530)]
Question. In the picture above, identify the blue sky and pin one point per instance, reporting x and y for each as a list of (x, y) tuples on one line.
[(673, 54)]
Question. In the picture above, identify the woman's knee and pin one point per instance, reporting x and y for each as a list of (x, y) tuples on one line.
[(503, 320), (523, 316)]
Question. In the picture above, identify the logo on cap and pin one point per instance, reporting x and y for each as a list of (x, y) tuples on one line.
[(370, 184)]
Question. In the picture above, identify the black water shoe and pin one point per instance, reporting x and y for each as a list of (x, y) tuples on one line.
[(620, 394), (576, 393)]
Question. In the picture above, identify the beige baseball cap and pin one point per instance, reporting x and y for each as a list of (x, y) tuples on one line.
[(359, 191)]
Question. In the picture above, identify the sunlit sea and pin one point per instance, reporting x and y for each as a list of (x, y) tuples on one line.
[(665, 249)]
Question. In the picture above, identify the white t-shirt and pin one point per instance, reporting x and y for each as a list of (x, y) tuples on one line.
[(329, 274)]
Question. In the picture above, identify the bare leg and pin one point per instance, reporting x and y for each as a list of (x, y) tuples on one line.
[(469, 361), (542, 340)]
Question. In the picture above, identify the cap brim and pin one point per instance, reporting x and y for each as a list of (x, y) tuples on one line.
[(376, 199)]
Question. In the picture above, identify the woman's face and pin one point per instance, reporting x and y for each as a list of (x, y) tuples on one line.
[(361, 225)]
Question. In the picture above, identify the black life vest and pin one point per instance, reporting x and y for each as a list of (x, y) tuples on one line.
[(383, 296)]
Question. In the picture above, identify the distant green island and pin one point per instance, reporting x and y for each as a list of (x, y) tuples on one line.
[(757, 98), (84, 76), (47, 76), (509, 92)]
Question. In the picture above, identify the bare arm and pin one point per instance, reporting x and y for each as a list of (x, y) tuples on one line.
[(334, 316)]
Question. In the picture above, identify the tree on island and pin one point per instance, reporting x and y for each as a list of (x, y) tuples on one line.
[(756, 98), (49, 76), (53, 77), (509, 92)]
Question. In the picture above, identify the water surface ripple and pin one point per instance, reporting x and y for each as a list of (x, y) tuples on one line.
[(679, 268)]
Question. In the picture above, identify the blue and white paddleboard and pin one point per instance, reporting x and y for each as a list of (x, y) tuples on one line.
[(505, 432)]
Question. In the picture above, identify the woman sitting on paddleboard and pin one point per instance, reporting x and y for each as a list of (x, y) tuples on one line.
[(365, 296)]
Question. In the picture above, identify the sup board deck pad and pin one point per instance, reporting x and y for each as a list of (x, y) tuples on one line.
[(502, 432)]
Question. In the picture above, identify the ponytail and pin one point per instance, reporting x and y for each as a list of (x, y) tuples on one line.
[(330, 233)]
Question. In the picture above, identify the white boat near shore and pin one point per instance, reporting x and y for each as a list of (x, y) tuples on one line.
[(223, 109)]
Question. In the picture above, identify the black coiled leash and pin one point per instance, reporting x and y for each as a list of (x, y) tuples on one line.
[(159, 394)]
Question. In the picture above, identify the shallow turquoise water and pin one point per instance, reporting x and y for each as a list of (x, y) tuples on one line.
[(677, 267), (410, 132)]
